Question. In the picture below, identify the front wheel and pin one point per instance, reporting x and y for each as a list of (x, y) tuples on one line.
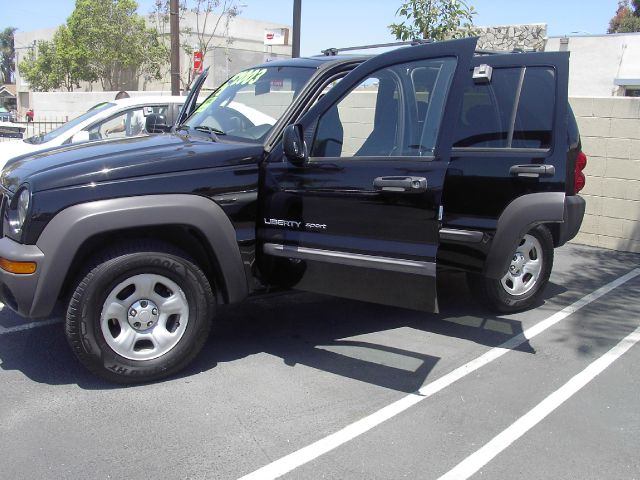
[(528, 274), (141, 313)]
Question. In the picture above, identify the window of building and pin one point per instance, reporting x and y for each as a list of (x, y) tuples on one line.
[(632, 91)]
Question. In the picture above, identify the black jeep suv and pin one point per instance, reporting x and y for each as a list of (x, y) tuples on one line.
[(351, 176)]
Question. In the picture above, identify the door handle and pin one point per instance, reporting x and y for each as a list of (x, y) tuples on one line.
[(401, 184), (533, 170)]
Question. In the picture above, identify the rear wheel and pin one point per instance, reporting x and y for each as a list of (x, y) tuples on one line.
[(141, 313), (523, 283)]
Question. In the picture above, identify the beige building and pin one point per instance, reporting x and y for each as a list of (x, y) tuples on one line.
[(601, 65), (239, 47)]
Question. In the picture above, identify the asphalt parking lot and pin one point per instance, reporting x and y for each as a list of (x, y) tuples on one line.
[(308, 387)]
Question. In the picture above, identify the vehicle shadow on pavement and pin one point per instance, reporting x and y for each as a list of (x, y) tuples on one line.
[(603, 323), (301, 328), (325, 333), (344, 337)]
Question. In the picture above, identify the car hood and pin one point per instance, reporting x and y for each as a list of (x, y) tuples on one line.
[(14, 148), (115, 160)]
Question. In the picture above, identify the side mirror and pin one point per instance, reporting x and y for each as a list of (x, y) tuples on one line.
[(156, 123), (81, 137), (294, 147)]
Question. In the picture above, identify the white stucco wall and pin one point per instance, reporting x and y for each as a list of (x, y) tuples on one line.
[(597, 60), (64, 106)]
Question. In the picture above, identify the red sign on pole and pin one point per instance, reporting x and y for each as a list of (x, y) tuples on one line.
[(197, 62)]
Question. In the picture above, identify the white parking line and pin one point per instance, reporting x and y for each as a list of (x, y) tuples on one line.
[(306, 454), (484, 455), (28, 326)]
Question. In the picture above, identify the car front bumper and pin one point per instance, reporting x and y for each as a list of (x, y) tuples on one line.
[(19, 291)]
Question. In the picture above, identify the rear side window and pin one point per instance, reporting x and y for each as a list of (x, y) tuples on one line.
[(487, 109), (514, 110), (534, 120)]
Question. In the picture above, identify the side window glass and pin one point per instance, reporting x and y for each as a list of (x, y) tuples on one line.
[(534, 120), (487, 115), (126, 124), (487, 108), (328, 87), (348, 129), (396, 111)]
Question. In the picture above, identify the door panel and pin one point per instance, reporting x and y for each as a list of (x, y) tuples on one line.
[(360, 218), (518, 119)]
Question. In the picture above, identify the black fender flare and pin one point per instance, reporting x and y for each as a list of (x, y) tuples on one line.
[(70, 228), (520, 216)]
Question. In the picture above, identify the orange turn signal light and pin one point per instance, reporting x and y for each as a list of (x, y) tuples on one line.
[(17, 267)]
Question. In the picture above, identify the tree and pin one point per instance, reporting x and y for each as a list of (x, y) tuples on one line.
[(434, 19), (213, 18), (113, 41), (38, 68), (203, 10), (626, 19), (70, 66), (57, 64), (7, 55)]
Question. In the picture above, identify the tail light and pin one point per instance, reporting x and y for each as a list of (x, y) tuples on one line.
[(579, 179)]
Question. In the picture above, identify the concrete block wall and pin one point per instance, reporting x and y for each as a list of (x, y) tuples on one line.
[(357, 113), (64, 106), (610, 131)]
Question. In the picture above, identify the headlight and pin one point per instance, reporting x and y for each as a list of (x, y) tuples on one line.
[(23, 207), (19, 210)]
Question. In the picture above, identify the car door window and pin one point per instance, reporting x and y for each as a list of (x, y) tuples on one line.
[(395, 111), (129, 123), (534, 119), (513, 110)]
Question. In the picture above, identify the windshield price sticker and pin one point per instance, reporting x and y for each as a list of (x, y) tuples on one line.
[(248, 77)]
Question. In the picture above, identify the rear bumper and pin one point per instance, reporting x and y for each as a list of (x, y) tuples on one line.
[(574, 206)]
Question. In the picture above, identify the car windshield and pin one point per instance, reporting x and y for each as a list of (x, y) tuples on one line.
[(247, 106), (47, 137)]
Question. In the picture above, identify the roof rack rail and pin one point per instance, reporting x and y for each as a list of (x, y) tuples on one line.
[(331, 52), (502, 52)]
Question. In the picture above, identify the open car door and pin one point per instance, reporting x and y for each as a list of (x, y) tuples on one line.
[(350, 200), (192, 99)]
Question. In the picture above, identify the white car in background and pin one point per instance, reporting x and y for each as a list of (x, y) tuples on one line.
[(113, 119)]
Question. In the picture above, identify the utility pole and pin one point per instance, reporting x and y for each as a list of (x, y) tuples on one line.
[(174, 31), (297, 21)]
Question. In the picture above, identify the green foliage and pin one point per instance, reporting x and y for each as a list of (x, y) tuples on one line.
[(56, 65), (103, 40), (113, 39), (40, 70), (7, 55), (70, 65), (434, 19), (627, 18), (629, 24)]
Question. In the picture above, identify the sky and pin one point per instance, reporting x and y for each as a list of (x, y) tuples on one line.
[(341, 23)]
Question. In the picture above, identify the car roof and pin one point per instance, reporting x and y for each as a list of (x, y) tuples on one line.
[(313, 62), (146, 100)]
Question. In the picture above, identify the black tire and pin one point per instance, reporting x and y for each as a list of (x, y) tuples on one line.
[(85, 326), (495, 295)]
